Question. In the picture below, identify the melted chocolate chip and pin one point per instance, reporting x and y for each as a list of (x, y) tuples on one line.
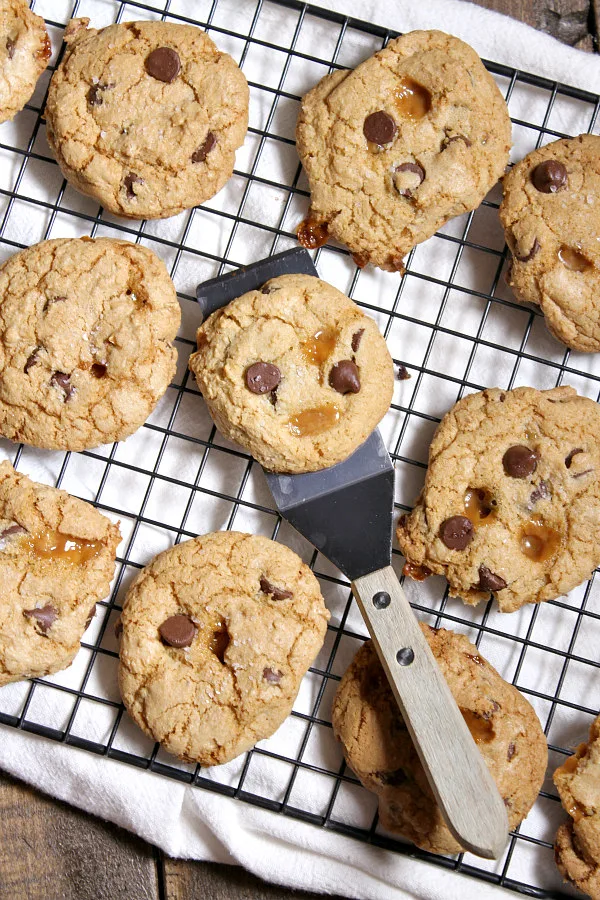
[(262, 377), (533, 252), (489, 581), (344, 378), (356, 339), (204, 149), (11, 531), (549, 176), (456, 532), (273, 676), (581, 474), (569, 457), (63, 381), (94, 95), (520, 461), (10, 47), (406, 186), (379, 128), (128, 183), (98, 370), (395, 778), (510, 751), (276, 593), (273, 397), (45, 616), (32, 360), (451, 138), (541, 492), (177, 631), (402, 372), (163, 64), (220, 642)]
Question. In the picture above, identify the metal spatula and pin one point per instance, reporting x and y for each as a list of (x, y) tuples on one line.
[(346, 512)]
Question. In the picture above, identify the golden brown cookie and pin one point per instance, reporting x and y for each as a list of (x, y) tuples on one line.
[(146, 116), (57, 557), (551, 216), (24, 53), (85, 341), (413, 136), (295, 373), (511, 501), (217, 634), (378, 747), (577, 846)]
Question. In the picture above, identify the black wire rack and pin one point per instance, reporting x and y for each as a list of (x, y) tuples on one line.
[(452, 326)]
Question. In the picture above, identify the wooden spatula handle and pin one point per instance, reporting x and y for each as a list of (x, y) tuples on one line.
[(461, 782)]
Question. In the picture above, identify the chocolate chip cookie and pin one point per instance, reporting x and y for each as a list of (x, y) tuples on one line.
[(415, 135), (24, 53), (146, 116), (577, 845), (57, 557), (85, 341), (511, 501), (378, 746), (295, 373), (217, 633), (551, 216)]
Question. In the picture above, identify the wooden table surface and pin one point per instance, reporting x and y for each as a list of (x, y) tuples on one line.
[(49, 850)]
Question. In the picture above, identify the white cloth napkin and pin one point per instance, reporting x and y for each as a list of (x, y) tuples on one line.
[(193, 823)]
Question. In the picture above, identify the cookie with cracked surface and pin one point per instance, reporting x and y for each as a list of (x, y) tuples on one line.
[(146, 116), (24, 53), (413, 136), (577, 845), (378, 747), (295, 373), (217, 633), (551, 217), (85, 341), (57, 557), (511, 501)]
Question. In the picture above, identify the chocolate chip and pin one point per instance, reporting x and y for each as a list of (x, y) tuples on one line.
[(379, 128), (177, 631), (407, 178), (63, 381), (549, 176), (356, 339), (265, 289), (128, 183), (273, 397), (204, 149), (533, 252), (276, 593), (569, 457), (118, 628), (163, 64), (32, 360), (450, 138), (94, 95), (541, 492), (273, 676), (520, 461), (262, 377), (91, 615), (581, 474), (343, 377), (11, 531), (219, 642), (52, 300), (456, 532), (45, 616), (511, 751), (402, 372), (395, 778), (489, 581), (10, 47), (98, 370)]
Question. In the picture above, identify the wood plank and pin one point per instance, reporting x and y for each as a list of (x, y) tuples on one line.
[(567, 20), (50, 850)]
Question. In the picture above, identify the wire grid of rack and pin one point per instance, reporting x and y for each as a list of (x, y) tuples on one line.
[(450, 321)]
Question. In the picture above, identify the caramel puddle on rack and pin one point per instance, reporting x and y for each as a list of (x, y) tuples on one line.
[(54, 545), (413, 101), (539, 542), (219, 640), (318, 348), (480, 728), (314, 421), (312, 233), (417, 573), (479, 506), (573, 259)]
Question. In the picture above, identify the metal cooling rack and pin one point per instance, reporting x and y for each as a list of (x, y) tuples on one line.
[(450, 321)]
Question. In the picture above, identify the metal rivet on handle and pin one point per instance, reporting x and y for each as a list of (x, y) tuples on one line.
[(405, 656), (381, 599)]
